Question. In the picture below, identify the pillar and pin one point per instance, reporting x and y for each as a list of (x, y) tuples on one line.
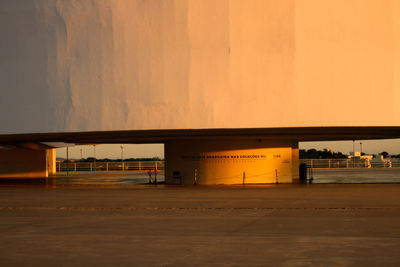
[(51, 161)]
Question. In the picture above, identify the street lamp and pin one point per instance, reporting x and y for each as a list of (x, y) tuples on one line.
[(94, 153), (360, 148), (122, 158)]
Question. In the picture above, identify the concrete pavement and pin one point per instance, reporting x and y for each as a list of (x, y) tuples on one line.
[(284, 225)]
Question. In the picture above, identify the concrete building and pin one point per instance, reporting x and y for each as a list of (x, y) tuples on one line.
[(229, 86)]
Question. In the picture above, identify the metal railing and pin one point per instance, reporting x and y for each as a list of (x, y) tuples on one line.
[(109, 166), (159, 165), (350, 163)]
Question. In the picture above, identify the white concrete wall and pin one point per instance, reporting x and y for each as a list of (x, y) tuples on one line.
[(84, 65)]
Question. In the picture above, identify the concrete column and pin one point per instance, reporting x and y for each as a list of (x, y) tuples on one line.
[(51, 161), (23, 163), (295, 162)]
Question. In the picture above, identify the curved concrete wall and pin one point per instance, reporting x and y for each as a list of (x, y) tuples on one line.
[(112, 65), (244, 161)]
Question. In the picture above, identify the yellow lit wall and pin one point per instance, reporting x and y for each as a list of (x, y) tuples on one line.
[(231, 162)]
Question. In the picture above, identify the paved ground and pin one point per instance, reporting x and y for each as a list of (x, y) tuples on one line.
[(110, 177), (127, 178), (284, 225), (357, 175)]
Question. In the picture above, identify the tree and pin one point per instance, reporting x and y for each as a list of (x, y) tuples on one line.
[(384, 154)]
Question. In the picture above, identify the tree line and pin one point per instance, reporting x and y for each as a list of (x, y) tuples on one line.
[(329, 154)]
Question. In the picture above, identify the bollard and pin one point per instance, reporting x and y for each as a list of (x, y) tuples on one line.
[(67, 162), (149, 173), (195, 177)]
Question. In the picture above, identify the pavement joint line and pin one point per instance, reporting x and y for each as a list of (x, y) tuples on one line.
[(192, 208)]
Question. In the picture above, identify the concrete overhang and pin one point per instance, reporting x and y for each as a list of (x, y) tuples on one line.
[(161, 136)]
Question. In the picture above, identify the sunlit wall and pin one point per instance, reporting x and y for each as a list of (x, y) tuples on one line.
[(245, 161), (111, 65)]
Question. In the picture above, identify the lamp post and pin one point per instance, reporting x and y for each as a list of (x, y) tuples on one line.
[(360, 148), (122, 157), (94, 157)]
